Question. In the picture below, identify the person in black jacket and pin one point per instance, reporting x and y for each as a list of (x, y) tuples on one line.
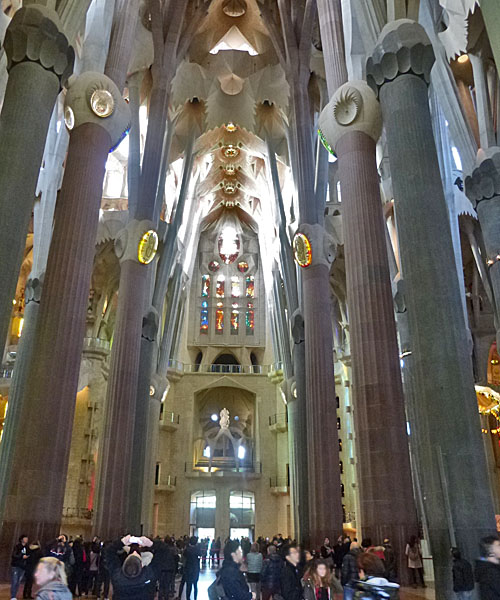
[(136, 576), (191, 572), (291, 583), (488, 568), (35, 554), (232, 579), (20, 555), (168, 570), (463, 577), (270, 576), (350, 571)]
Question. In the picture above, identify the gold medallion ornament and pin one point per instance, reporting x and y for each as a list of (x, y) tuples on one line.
[(148, 246), (102, 103), (302, 250)]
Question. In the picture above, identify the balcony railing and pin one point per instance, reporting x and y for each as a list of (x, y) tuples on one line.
[(278, 418), (232, 369), (167, 483), (169, 418), (279, 481), (6, 372), (224, 465), (77, 513)]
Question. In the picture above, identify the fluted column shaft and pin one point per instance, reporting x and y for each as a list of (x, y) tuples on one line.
[(325, 503), (30, 95), (332, 40), (455, 489), (42, 457), (385, 487)]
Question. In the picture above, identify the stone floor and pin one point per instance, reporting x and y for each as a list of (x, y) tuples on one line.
[(207, 576)]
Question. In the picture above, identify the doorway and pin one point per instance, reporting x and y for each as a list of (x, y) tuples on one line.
[(236, 533)]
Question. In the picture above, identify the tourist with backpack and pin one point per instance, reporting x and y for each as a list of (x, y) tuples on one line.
[(230, 583), (463, 576), (414, 555)]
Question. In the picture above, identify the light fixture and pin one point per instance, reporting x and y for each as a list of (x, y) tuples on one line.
[(463, 58), (148, 245), (231, 127), (102, 103), (215, 417), (69, 117)]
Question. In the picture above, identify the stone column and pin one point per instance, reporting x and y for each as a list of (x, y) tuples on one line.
[(314, 253), (39, 62), (351, 123), (135, 247), (97, 116), (491, 15), (483, 190), (454, 480)]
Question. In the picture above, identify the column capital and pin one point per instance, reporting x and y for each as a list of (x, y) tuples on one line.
[(138, 242), (484, 181), (94, 98), (353, 107), (313, 246), (150, 324), (35, 35), (403, 48), (159, 387), (33, 290)]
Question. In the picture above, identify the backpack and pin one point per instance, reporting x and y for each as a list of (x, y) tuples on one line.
[(414, 553), (216, 591), (363, 591)]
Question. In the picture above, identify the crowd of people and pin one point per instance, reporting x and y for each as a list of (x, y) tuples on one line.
[(141, 569)]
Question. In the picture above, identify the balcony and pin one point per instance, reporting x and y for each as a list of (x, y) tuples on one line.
[(166, 484), (228, 369), (169, 421), (81, 514), (275, 372), (280, 486), (278, 423), (225, 467)]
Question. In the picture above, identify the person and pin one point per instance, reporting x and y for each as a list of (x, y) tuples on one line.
[(192, 567), (230, 576), (368, 546), (61, 550), (327, 552), (103, 577), (373, 583), (339, 551), (487, 571), (137, 576), (78, 570), (319, 582), (270, 575), (18, 564), (93, 551), (255, 561), (50, 575), (414, 555), (291, 584), (245, 546), (350, 570), (34, 556), (463, 577), (390, 562), (216, 548), (168, 569)]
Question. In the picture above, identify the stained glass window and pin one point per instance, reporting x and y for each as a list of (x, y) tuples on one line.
[(243, 266), (250, 318), (213, 266), (229, 245), (219, 289), (219, 319), (204, 317), (235, 287), (235, 319), (205, 286), (250, 286)]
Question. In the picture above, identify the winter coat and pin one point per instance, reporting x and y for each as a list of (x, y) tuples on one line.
[(339, 551), (350, 571), (233, 581), (55, 590), (142, 587), (192, 562), (310, 590), (270, 575), (291, 584), (169, 563), (488, 576), (17, 556), (390, 562), (255, 561), (463, 577), (35, 554)]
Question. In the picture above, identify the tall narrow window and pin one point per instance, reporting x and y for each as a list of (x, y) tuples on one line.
[(219, 319), (204, 317), (219, 289), (205, 286), (250, 286), (229, 245), (235, 287), (250, 318), (235, 320)]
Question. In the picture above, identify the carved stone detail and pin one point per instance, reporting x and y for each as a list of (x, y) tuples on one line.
[(35, 35), (78, 107), (353, 107), (33, 290), (484, 181), (403, 48)]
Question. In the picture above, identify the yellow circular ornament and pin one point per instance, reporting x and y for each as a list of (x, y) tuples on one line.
[(148, 246), (302, 250)]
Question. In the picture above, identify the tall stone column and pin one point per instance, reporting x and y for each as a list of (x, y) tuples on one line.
[(491, 15), (351, 123), (97, 116), (314, 252), (39, 62), (136, 248), (483, 190), (454, 481)]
